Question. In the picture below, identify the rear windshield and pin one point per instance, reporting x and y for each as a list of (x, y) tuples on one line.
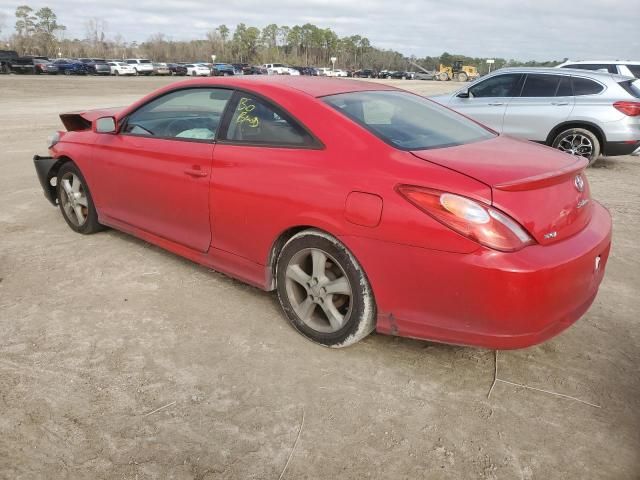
[(145, 61), (635, 69), (632, 87), (407, 121)]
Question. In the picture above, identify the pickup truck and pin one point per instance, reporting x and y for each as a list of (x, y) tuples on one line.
[(279, 69), (7, 57)]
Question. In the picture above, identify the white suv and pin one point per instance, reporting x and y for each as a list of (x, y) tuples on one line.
[(630, 69), (143, 66), (279, 69)]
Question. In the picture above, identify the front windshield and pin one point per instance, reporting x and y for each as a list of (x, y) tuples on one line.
[(408, 121)]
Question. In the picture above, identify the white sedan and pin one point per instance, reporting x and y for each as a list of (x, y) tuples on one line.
[(198, 70), (121, 68)]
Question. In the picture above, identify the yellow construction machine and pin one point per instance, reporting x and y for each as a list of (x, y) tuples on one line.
[(457, 71)]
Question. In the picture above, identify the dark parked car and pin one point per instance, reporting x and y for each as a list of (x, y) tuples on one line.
[(257, 70), (222, 69), (69, 66), (177, 69), (400, 75), (364, 73), (7, 57), (306, 70), (97, 66), (245, 68)]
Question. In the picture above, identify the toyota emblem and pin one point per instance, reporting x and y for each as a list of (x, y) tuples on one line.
[(579, 183)]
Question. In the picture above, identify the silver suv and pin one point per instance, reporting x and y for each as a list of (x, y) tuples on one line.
[(581, 112)]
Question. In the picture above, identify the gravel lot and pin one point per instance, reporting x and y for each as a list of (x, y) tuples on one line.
[(97, 332)]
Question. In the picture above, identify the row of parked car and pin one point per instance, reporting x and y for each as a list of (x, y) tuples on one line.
[(12, 63)]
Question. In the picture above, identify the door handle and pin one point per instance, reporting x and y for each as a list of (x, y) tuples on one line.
[(559, 103), (195, 172), (496, 104)]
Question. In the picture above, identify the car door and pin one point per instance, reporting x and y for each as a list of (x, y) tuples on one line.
[(486, 101), (257, 155), (545, 101), (157, 167)]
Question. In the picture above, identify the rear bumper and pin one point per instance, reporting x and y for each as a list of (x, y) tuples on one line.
[(622, 148), (487, 298), (44, 166)]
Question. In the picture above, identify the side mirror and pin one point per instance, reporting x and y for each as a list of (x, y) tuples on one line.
[(463, 94), (106, 125)]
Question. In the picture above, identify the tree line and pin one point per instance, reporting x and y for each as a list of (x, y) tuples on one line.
[(38, 32)]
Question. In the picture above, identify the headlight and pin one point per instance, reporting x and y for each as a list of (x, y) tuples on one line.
[(53, 139)]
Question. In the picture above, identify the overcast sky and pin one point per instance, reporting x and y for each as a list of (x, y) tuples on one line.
[(525, 30)]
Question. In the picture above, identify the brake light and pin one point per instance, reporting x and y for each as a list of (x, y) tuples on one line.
[(476, 221), (631, 109)]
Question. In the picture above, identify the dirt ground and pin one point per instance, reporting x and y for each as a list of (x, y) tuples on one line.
[(96, 333)]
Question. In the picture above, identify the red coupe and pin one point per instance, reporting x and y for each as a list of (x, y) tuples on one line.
[(364, 206)]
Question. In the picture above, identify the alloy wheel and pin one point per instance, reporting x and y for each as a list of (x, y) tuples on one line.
[(576, 144), (74, 199), (319, 291)]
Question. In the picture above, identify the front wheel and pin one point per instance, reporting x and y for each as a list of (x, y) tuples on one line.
[(75, 200), (580, 142), (463, 77), (443, 77), (324, 291)]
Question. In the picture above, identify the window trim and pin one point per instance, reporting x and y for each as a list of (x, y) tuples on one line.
[(125, 120), (313, 144)]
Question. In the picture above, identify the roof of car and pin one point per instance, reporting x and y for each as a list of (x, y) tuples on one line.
[(556, 70), (603, 62), (314, 86)]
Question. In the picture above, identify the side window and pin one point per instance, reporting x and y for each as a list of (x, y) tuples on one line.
[(498, 86), (564, 88), (184, 114), (538, 85), (584, 86), (255, 122)]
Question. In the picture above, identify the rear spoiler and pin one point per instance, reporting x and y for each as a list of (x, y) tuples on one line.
[(545, 179)]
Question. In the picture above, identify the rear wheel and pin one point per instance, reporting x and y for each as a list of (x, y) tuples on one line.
[(443, 77), (117, 73), (75, 200), (580, 142), (463, 77), (323, 290)]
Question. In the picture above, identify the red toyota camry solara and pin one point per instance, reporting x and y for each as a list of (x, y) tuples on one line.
[(364, 206)]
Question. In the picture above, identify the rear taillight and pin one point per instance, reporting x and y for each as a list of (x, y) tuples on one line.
[(476, 221), (631, 109)]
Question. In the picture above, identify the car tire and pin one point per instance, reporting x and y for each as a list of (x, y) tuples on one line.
[(578, 141), (117, 73), (323, 290), (75, 201), (67, 72)]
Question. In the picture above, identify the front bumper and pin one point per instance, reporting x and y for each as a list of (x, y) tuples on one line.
[(487, 298), (44, 169)]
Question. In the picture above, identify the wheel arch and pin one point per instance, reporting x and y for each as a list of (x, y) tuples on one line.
[(53, 173), (592, 127), (276, 248)]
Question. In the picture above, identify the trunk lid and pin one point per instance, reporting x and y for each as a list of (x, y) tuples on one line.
[(543, 189)]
